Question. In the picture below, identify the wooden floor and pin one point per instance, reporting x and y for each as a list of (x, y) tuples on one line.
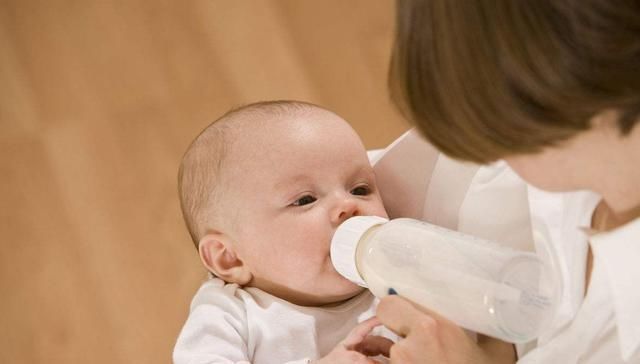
[(98, 100)]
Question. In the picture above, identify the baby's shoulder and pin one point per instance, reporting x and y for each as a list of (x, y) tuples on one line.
[(217, 292)]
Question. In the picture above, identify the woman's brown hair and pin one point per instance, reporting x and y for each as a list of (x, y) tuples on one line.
[(487, 79)]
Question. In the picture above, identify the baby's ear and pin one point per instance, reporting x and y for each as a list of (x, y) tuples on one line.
[(218, 256)]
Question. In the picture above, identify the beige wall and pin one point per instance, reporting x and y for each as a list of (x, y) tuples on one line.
[(98, 100)]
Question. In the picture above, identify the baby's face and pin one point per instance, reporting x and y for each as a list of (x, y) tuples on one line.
[(294, 186)]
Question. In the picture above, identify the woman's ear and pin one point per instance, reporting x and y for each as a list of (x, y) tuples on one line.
[(607, 118), (218, 256)]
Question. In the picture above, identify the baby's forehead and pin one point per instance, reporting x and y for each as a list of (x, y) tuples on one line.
[(263, 132), (252, 137), (258, 140)]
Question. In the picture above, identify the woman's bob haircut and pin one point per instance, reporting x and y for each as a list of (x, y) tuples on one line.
[(487, 79)]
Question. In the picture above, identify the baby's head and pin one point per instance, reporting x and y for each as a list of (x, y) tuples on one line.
[(263, 190)]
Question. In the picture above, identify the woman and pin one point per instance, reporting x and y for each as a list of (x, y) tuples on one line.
[(553, 88)]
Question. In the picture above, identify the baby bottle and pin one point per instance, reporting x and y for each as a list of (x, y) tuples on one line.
[(477, 284)]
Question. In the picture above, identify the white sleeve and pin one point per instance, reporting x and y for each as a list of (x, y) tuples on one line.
[(215, 331)]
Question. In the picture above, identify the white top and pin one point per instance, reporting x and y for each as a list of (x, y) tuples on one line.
[(229, 324), (491, 202), (604, 325)]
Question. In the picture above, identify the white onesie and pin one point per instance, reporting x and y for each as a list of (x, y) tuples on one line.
[(230, 324)]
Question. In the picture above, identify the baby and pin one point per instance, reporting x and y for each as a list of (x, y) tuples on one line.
[(262, 191)]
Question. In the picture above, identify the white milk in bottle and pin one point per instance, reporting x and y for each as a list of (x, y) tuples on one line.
[(478, 284)]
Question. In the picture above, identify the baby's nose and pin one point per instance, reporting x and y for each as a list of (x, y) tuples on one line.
[(345, 208)]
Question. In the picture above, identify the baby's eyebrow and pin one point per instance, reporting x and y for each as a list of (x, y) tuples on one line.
[(286, 183), (368, 170)]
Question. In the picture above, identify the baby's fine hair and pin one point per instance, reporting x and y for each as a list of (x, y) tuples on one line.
[(202, 167)]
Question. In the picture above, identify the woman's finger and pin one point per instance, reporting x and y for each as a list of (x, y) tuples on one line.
[(400, 315), (360, 332), (374, 345)]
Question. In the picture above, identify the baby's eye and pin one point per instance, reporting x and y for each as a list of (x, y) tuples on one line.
[(304, 200), (360, 191)]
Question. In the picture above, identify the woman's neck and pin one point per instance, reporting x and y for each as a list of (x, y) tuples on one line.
[(618, 180), (609, 218)]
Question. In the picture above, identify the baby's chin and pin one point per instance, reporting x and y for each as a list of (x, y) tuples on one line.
[(340, 291), (327, 299), (344, 288), (339, 299), (350, 289)]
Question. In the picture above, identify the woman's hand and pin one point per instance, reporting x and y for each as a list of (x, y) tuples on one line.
[(358, 346), (430, 338)]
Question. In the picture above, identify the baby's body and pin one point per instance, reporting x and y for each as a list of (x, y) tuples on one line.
[(263, 189), (229, 324)]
